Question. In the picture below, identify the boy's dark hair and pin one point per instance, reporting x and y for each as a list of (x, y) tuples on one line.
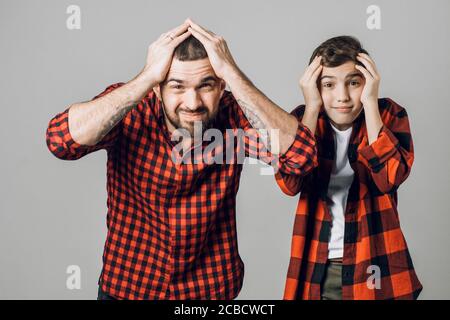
[(338, 50), (190, 49)]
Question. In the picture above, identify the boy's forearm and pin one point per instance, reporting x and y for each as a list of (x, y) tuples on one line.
[(310, 117), (261, 112), (373, 120)]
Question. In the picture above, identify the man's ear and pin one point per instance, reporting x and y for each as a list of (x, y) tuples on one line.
[(223, 85), (157, 91)]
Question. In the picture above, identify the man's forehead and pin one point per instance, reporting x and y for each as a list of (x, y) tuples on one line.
[(186, 70)]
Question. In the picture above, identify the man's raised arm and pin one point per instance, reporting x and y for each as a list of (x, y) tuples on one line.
[(87, 124)]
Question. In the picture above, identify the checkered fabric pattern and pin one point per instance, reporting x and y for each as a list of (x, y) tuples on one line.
[(172, 226), (372, 228)]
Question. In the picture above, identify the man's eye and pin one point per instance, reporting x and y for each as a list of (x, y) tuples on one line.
[(327, 85), (206, 86), (177, 87), (354, 83)]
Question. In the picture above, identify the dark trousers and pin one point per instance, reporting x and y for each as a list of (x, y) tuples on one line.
[(331, 288)]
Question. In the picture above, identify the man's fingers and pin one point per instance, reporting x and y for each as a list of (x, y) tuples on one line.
[(179, 30), (202, 38), (203, 31), (179, 39), (175, 32)]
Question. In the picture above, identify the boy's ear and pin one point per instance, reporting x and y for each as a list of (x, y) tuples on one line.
[(157, 91)]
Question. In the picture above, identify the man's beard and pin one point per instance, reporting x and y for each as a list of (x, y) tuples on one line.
[(190, 126)]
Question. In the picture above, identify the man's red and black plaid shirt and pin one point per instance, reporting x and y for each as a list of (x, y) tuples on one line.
[(372, 234), (172, 226)]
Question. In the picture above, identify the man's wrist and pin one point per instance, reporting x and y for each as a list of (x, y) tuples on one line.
[(233, 74), (146, 78), (135, 89)]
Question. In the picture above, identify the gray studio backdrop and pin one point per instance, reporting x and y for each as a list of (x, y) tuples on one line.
[(53, 212)]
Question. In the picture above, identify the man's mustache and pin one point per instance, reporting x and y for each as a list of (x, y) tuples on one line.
[(196, 111)]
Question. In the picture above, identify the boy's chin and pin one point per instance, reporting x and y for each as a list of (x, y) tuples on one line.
[(342, 122)]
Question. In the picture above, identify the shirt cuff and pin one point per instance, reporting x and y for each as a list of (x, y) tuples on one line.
[(63, 133), (303, 149), (376, 154)]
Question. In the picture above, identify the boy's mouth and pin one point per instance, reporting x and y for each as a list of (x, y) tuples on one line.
[(343, 109)]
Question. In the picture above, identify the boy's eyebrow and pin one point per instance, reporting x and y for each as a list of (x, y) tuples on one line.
[(354, 74), (351, 75), (323, 77)]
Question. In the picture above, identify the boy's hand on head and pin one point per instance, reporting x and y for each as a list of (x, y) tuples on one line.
[(369, 94), (308, 84), (218, 53), (160, 53)]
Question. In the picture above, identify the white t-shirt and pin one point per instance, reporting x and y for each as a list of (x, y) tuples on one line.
[(340, 182)]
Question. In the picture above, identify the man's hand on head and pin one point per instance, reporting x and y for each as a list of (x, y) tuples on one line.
[(160, 53), (218, 53)]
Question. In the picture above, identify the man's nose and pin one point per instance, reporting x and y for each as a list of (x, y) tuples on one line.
[(192, 100)]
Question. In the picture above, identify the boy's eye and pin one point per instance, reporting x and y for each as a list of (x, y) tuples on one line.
[(354, 83), (327, 85)]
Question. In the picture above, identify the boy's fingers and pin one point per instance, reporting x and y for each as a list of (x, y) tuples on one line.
[(316, 73), (367, 66), (312, 68), (364, 71), (370, 63)]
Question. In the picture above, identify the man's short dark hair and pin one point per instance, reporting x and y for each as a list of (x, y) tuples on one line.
[(190, 49), (338, 50)]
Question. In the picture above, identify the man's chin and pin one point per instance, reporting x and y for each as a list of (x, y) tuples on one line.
[(195, 127)]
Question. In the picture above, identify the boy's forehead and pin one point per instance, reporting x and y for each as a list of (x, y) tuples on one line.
[(187, 70), (340, 72)]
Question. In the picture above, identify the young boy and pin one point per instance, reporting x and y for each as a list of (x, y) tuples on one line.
[(347, 242)]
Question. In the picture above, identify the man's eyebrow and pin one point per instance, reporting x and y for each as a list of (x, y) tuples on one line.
[(209, 78), (175, 80)]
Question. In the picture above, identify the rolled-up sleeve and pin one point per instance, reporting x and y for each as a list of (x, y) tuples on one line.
[(61, 143), (389, 159), (301, 156)]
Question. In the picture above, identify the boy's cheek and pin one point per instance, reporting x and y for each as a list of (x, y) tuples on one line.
[(327, 99), (356, 96)]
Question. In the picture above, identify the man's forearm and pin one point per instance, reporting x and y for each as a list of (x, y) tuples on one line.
[(90, 121), (261, 112)]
